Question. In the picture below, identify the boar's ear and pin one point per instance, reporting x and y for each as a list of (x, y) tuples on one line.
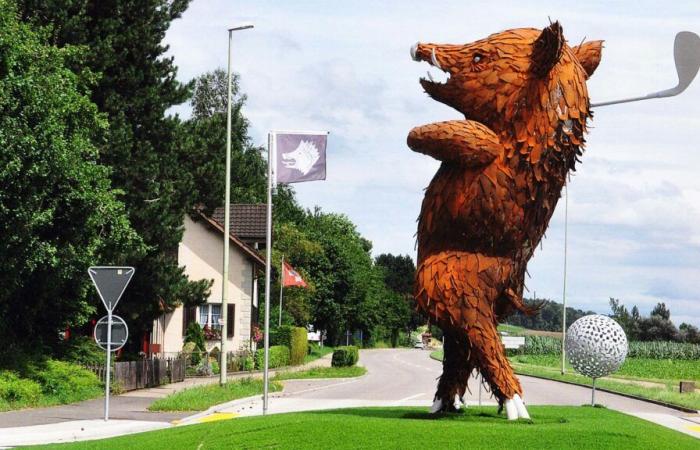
[(588, 54), (547, 49)]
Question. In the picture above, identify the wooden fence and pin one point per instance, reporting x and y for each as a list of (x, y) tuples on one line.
[(145, 373)]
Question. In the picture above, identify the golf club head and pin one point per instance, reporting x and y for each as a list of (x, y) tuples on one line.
[(686, 54)]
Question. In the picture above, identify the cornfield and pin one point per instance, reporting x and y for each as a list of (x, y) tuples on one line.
[(546, 345)]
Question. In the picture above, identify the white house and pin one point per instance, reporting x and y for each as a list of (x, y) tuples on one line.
[(201, 254)]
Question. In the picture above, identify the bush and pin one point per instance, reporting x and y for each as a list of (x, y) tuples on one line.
[(282, 335), (65, 382), (298, 346), (14, 389), (345, 356), (81, 350), (279, 357)]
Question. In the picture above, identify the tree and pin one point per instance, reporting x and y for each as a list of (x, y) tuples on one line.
[(656, 328), (397, 309), (662, 311), (136, 85), (58, 212), (689, 333), (621, 316)]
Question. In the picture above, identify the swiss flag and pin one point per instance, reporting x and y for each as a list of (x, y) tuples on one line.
[(291, 277)]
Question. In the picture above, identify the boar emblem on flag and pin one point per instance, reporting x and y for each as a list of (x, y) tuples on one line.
[(300, 157)]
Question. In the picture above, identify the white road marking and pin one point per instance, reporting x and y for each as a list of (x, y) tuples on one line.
[(411, 397)]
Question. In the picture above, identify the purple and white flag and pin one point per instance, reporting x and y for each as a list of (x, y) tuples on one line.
[(300, 156)]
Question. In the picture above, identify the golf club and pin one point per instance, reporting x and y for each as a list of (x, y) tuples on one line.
[(686, 55)]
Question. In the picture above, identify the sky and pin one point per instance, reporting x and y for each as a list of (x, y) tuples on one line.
[(633, 204)]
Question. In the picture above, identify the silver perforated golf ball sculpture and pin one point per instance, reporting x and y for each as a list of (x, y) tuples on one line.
[(596, 345)]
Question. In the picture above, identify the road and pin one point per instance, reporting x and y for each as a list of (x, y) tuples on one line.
[(409, 377), (396, 377)]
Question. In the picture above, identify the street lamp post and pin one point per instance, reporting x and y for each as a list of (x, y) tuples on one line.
[(227, 214)]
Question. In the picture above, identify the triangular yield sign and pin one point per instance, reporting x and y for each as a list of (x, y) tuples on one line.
[(111, 283)]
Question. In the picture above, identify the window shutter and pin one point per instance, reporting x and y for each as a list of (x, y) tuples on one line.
[(189, 315), (230, 319)]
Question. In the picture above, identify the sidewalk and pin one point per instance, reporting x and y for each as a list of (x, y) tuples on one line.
[(128, 413)]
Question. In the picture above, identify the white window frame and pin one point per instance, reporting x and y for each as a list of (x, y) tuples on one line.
[(210, 314)]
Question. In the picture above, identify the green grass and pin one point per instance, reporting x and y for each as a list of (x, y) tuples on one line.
[(317, 352), (398, 428), (437, 354), (638, 368), (201, 398), (511, 329), (668, 392), (631, 376), (323, 372)]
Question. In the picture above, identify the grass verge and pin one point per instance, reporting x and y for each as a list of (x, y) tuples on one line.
[(667, 393), (378, 428), (630, 380), (317, 352), (322, 372), (201, 398)]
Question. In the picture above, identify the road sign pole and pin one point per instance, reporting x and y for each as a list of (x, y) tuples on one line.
[(109, 361)]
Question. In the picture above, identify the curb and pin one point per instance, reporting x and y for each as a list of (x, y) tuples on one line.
[(609, 391)]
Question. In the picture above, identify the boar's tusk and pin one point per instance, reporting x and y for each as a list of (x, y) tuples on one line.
[(434, 59)]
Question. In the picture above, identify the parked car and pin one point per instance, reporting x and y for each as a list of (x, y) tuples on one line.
[(419, 345)]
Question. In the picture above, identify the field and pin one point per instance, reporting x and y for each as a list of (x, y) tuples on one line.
[(633, 368), (380, 428)]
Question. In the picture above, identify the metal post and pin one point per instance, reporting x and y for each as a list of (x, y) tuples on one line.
[(563, 313), (109, 362), (593, 394), (227, 226), (268, 258), (281, 287), (227, 215)]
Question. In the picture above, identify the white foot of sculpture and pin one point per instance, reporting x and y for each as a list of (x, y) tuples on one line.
[(437, 406), (459, 401), (520, 407), (515, 408)]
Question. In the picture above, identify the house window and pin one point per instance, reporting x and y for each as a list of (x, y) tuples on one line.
[(209, 315)]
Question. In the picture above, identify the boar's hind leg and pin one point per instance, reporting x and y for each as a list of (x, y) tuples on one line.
[(456, 369)]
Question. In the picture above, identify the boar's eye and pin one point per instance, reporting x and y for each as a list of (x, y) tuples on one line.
[(477, 58)]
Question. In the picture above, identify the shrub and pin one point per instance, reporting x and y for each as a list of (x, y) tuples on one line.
[(14, 389), (81, 350), (345, 356), (282, 335), (298, 346), (65, 382), (279, 357), (194, 333)]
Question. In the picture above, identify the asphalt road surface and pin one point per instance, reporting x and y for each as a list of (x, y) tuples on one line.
[(408, 377)]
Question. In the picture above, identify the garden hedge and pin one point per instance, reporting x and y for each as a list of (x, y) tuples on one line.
[(345, 356), (279, 357), (298, 346)]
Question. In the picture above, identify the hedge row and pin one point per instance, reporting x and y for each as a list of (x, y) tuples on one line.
[(298, 346), (295, 339), (279, 357), (345, 356), (547, 345)]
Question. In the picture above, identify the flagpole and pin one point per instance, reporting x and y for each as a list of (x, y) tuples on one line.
[(281, 287), (268, 258)]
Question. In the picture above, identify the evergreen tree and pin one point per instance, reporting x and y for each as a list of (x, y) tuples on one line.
[(58, 212), (136, 86)]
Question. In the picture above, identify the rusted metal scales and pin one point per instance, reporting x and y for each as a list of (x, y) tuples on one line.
[(523, 94)]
